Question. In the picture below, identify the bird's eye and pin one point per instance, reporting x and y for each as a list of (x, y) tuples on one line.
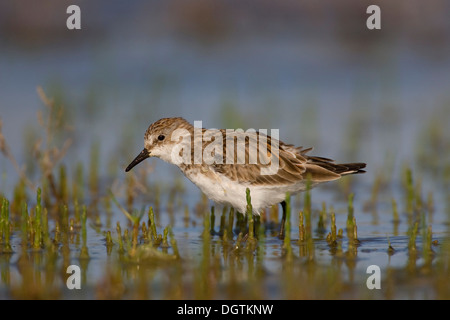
[(161, 137)]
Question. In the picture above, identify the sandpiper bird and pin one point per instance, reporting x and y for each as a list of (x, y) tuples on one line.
[(225, 173)]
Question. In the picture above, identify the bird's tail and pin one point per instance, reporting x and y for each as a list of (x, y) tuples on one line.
[(329, 164), (349, 168), (338, 168)]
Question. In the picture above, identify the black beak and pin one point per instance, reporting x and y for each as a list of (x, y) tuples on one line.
[(141, 157)]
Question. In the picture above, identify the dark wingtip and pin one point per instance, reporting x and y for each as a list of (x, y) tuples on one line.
[(351, 168)]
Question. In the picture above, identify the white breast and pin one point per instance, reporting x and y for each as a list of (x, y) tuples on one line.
[(221, 189)]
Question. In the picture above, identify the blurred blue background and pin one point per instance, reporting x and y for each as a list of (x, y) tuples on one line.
[(310, 68)]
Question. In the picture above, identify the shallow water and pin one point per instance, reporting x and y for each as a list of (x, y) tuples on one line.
[(346, 262)]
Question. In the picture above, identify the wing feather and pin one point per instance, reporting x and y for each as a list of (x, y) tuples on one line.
[(294, 165)]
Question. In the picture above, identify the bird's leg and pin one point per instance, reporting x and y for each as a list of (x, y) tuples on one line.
[(283, 220)]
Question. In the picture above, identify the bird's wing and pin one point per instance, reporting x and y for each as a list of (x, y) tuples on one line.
[(326, 163), (246, 161)]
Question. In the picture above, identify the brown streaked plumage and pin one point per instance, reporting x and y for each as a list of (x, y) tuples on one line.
[(225, 182)]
